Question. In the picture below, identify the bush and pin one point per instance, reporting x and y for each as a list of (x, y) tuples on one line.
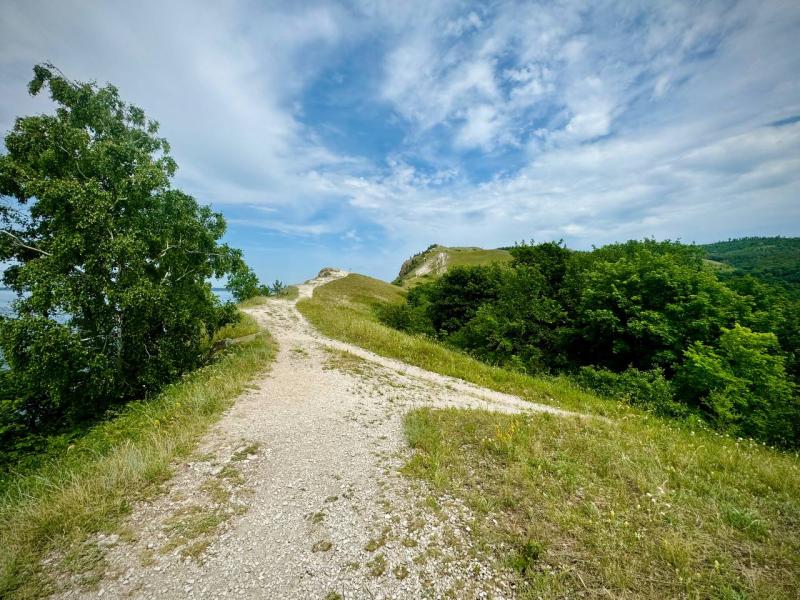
[(646, 389), (741, 383), (243, 283), (629, 317), (405, 317), (278, 288)]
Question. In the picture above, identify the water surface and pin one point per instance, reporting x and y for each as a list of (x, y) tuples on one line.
[(8, 296)]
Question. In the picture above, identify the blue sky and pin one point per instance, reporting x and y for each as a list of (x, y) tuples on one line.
[(353, 134)]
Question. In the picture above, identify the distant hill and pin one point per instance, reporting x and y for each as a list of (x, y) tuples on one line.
[(776, 259), (433, 262)]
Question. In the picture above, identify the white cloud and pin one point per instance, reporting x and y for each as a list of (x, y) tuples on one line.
[(224, 99), (461, 25), (481, 127), (513, 120)]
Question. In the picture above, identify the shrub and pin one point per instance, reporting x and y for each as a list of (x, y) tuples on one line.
[(405, 317), (741, 384), (243, 283), (647, 389)]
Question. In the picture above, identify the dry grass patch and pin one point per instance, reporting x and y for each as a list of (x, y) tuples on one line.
[(253, 302)]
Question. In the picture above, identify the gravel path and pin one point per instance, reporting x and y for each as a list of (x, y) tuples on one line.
[(296, 492)]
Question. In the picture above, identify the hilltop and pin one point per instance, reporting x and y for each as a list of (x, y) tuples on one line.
[(435, 260)]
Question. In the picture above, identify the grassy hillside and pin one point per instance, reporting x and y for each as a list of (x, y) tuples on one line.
[(771, 258), (434, 261), (633, 507)]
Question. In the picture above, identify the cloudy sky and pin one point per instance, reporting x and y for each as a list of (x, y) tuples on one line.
[(355, 133)]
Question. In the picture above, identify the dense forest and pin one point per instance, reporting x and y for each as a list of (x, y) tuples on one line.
[(652, 322)]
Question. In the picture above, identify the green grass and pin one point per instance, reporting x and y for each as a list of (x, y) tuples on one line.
[(344, 310), (633, 508), (246, 325), (92, 486), (254, 301), (476, 256), (636, 506)]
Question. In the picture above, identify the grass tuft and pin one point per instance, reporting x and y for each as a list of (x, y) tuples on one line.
[(253, 302), (289, 293), (377, 566), (246, 325)]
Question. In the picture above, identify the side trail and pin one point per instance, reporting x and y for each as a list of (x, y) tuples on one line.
[(295, 493)]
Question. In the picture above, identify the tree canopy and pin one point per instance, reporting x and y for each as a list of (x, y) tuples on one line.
[(111, 263)]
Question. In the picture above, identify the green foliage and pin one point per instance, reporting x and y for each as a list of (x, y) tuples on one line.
[(243, 283), (278, 287), (111, 263), (775, 309), (774, 259), (624, 318), (742, 383), (517, 328), (647, 389), (405, 316), (641, 303), (455, 298), (549, 258)]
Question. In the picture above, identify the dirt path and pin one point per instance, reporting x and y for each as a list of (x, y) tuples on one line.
[(295, 493)]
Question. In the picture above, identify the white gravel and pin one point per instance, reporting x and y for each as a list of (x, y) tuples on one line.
[(317, 449)]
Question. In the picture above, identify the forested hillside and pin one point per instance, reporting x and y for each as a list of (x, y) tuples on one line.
[(776, 259)]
